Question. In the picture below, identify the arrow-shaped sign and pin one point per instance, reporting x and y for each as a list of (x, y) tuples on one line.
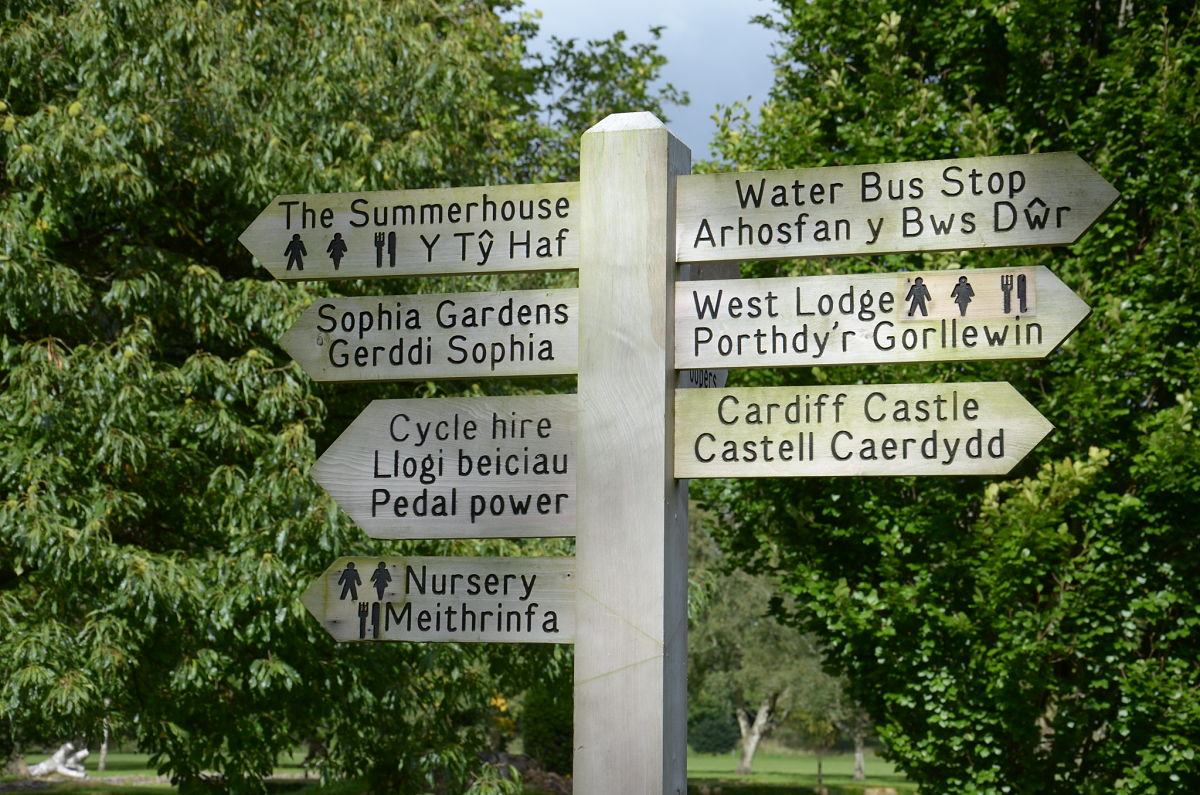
[(935, 205), (495, 467), (418, 232), (885, 429), (418, 337), (1000, 313), (514, 600)]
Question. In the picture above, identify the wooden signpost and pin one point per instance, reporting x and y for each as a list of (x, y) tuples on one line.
[(418, 232), (934, 205), (885, 318), (457, 467), (421, 337), (609, 465), (631, 547), (504, 600), (877, 429)]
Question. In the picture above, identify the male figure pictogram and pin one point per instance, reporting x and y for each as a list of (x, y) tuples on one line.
[(349, 582), (918, 294), (296, 252)]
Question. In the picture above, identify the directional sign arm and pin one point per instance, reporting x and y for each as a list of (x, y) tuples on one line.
[(429, 232), (471, 599), (419, 337), (937, 205), (954, 315), (884, 429), (494, 467)]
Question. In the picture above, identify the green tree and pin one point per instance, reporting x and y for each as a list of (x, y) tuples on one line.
[(1038, 633), (157, 523), (743, 662)]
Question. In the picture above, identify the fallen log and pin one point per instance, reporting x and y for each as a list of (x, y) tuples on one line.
[(66, 761)]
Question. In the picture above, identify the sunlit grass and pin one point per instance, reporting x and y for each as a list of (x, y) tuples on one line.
[(778, 766), (775, 770)]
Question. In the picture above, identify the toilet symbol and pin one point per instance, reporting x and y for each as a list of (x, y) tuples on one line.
[(336, 249), (962, 294), (381, 578), (296, 252), (349, 582), (918, 294)]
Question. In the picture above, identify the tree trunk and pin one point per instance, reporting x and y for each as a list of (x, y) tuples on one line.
[(102, 764), (12, 757), (860, 757), (14, 764), (752, 733), (103, 761), (856, 723)]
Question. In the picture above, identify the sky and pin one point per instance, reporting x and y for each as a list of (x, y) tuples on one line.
[(713, 50)]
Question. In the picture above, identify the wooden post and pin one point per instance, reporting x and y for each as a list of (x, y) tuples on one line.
[(631, 553)]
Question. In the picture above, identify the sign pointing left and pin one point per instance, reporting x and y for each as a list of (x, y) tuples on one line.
[(514, 600), (419, 337), (418, 232), (477, 467)]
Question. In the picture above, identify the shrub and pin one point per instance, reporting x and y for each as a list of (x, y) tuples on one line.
[(712, 730)]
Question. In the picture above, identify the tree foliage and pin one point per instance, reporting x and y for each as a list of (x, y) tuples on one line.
[(546, 722), (1038, 633), (158, 523), (711, 729), (743, 665)]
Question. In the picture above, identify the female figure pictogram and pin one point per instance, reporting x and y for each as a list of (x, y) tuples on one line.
[(336, 249), (381, 577), (962, 294)]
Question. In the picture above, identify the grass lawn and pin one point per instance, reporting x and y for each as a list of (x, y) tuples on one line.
[(125, 772), (118, 764), (782, 767), (776, 771), (129, 772)]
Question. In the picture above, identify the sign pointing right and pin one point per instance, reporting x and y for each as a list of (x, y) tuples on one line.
[(935, 205), (879, 429), (881, 318)]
